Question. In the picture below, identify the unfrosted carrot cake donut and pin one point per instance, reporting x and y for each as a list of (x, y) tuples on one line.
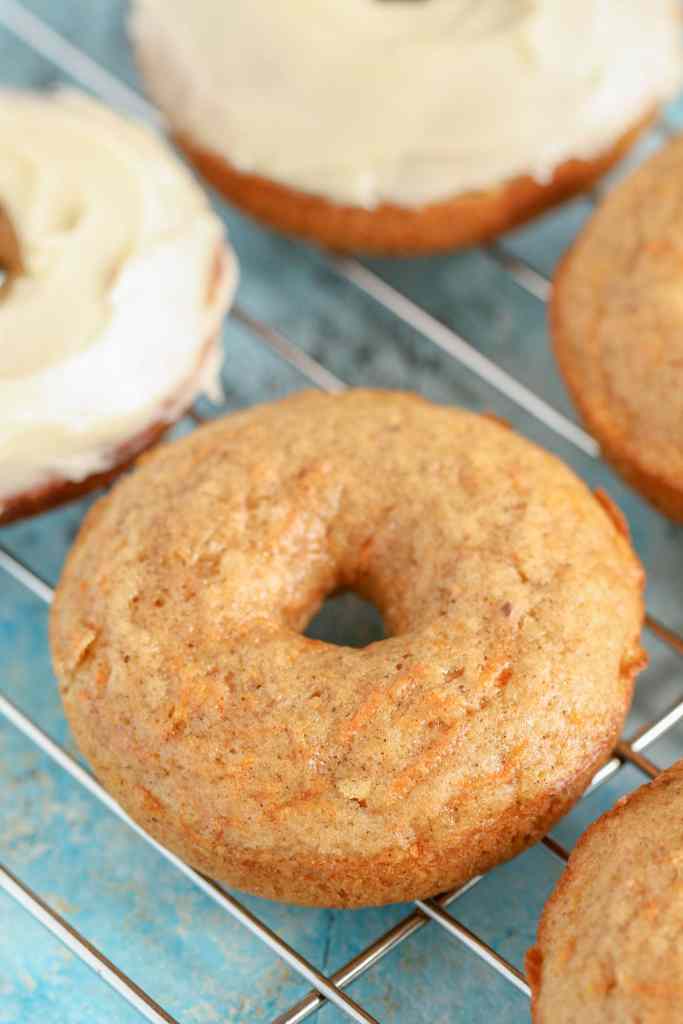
[(322, 774), (390, 126), (114, 277), (617, 322), (610, 942)]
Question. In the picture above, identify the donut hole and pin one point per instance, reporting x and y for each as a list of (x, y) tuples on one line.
[(347, 620)]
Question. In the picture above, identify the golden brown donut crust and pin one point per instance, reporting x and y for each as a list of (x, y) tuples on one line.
[(617, 324), (610, 941), (58, 490), (465, 219), (327, 775)]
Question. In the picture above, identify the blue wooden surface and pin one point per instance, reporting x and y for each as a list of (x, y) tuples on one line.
[(191, 957)]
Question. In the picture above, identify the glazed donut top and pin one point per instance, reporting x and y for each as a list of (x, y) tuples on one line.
[(103, 321), (364, 101), (610, 943), (512, 601)]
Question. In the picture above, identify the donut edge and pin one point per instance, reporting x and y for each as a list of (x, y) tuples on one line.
[(462, 220), (666, 494), (534, 959)]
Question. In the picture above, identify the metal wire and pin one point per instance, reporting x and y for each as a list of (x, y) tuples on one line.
[(289, 352), (475, 944), (457, 347), (626, 750), (79, 945), (524, 274), (22, 574), (371, 955), (644, 764), (37, 35), (55, 48)]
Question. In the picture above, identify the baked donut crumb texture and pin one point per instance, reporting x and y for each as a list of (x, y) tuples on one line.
[(609, 941), (327, 775)]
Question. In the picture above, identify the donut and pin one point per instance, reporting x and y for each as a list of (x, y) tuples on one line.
[(115, 276), (394, 127), (609, 942), (617, 324), (327, 775)]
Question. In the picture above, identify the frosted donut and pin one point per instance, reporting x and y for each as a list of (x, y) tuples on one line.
[(617, 325), (328, 775), (115, 278), (391, 126)]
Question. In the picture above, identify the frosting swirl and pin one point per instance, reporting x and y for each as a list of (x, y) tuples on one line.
[(104, 329), (367, 101)]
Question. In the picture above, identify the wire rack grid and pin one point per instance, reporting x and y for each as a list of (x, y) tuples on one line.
[(53, 53)]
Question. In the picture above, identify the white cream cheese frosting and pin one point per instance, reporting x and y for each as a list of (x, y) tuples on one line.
[(109, 327), (405, 101)]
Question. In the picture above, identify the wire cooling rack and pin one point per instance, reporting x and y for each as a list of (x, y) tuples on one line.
[(512, 381)]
